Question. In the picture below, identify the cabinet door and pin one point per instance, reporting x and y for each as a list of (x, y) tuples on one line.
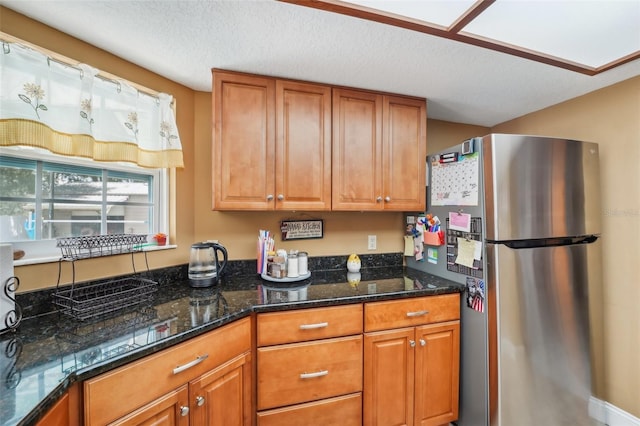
[(303, 146), (222, 397), (357, 150), (58, 415), (388, 377), (243, 142), (65, 412), (437, 373), (168, 410), (404, 153)]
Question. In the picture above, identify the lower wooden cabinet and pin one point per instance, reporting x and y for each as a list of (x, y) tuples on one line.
[(376, 364), (204, 381), (342, 410), (411, 374), (222, 395), (66, 411), (310, 373), (167, 410)]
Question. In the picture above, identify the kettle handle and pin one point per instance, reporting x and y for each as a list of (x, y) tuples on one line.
[(218, 247)]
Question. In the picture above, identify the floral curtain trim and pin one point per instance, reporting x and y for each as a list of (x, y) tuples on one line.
[(71, 111)]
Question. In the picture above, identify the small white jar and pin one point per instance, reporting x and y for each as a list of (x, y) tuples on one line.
[(303, 263), (292, 265)]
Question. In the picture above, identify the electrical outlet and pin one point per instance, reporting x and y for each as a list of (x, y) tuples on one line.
[(371, 242)]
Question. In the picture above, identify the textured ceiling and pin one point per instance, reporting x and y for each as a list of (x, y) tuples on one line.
[(184, 40)]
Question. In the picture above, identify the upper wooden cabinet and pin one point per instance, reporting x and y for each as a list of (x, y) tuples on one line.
[(243, 142), (290, 145), (357, 150), (404, 153), (379, 151), (271, 144), (303, 146)]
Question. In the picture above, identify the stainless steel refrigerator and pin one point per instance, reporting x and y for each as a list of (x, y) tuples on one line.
[(521, 221)]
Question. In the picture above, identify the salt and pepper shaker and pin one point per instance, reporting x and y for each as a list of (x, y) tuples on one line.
[(303, 264), (292, 264)]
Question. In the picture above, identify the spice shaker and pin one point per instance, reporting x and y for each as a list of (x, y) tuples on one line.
[(303, 264), (292, 265)]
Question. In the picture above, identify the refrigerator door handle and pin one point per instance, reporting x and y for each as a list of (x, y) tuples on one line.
[(548, 242)]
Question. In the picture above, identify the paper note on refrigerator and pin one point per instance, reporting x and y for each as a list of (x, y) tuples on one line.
[(408, 245), (466, 252), (460, 221)]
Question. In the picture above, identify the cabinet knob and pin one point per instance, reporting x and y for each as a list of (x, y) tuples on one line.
[(184, 411), (387, 199), (412, 343), (270, 197), (378, 199), (199, 401), (280, 197), (422, 342)]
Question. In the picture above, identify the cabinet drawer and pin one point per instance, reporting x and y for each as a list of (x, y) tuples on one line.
[(301, 372), (309, 324), (410, 312), (118, 392), (343, 410)]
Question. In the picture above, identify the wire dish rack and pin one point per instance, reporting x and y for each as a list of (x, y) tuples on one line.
[(74, 248), (104, 297)]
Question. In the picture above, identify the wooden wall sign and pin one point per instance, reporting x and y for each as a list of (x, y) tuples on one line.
[(301, 229)]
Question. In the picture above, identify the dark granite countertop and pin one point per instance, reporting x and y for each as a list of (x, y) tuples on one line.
[(49, 352)]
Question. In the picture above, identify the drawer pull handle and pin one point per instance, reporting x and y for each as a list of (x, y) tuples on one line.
[(312, 326), (312, 375), (181, 368), (417, 313)]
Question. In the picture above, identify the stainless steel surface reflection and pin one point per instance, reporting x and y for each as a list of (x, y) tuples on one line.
[(543, 335)]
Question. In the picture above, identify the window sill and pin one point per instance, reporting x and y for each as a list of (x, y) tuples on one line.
[(49, 259)]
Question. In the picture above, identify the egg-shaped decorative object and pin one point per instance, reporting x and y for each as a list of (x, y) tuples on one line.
[(353, 263)]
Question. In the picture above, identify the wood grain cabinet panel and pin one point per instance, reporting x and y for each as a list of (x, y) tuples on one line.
[(309, 366), (303, 146), (271, 143), (243, 153), (66, 411), (379, 151), (153, 381), (300, 372), (411, 374), (357, 150), (168, 410), (302, 325), (404, 150), (411, 312), (343, 411)]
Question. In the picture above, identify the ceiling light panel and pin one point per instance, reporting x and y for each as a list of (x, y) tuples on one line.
[(592, 33), (439, 12)]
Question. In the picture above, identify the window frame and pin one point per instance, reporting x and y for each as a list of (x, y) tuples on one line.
[(45, 250)]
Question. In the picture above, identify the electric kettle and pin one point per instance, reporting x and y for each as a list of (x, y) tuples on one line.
[(205, 263)]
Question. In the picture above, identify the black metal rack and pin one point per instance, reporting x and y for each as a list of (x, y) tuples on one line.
[(101, 298)]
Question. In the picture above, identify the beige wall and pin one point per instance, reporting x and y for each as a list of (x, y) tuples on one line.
[(610, 117)]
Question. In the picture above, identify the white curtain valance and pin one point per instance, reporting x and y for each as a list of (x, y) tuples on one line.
[(70, 110)]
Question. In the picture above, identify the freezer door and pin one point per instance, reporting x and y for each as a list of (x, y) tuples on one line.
[(538, 187), (545, 334)]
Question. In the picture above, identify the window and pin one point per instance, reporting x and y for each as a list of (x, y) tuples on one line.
[(44, 197)]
